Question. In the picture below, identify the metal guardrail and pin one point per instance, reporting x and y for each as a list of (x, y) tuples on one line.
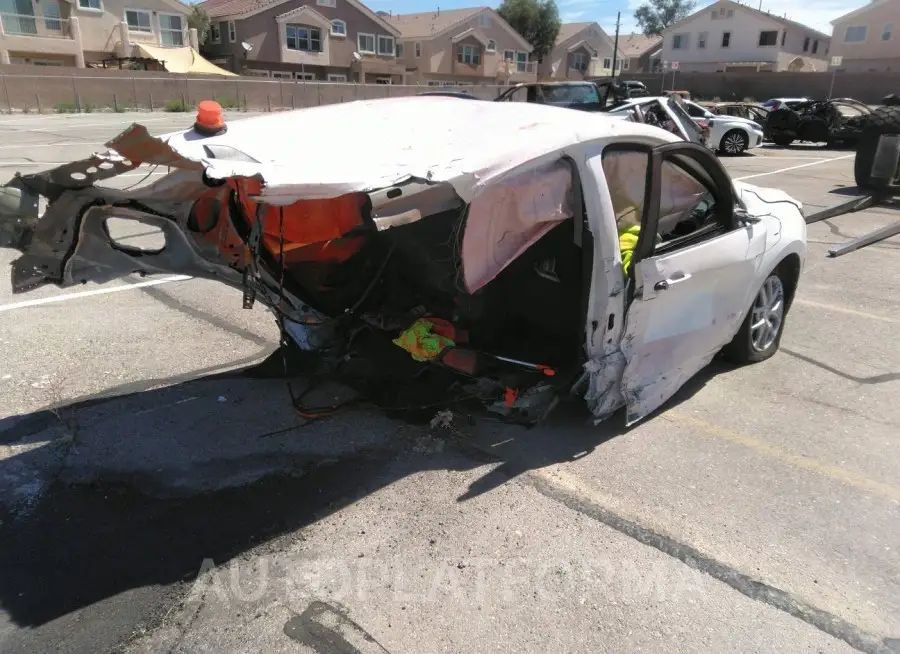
[(42, 26)]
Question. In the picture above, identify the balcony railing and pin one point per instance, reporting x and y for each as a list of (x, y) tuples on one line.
[(44, 26)]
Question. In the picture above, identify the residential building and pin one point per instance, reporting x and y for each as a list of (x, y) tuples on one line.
[(868, 39), (326, 40), (728, 36), (581, 50), (84, 32), (641, 54), (462, 46)]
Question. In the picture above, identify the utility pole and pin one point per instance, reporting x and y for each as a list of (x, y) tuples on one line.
[(616, 46)]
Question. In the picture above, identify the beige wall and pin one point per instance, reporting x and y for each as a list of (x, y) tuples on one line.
[(438, 55), (560, 56), (100, 29), (873, 54)]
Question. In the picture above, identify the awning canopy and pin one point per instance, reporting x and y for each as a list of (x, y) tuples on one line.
[(183, 60)]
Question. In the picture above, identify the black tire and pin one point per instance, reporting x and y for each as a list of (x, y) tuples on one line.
[(884, 120), (783, 119), (740, 140), (783, 140), (741, 349)]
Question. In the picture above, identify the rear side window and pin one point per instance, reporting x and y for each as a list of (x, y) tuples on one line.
[(571, 94)]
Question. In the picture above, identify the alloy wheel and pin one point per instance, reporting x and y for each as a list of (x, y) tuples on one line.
[(767, 314)]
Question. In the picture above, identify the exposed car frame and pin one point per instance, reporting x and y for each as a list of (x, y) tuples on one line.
[(818, 121)]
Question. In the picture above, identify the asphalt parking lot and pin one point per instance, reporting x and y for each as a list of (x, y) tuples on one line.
[(154, 497)]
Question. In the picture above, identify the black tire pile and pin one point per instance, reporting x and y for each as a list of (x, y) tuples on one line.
[(884, 120)]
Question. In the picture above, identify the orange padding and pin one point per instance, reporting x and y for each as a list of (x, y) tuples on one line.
[(307, 222)]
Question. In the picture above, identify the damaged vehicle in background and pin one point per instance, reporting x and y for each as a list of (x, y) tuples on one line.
[(444, 253)]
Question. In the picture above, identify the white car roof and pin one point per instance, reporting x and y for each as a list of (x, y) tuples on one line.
[(335, 149)]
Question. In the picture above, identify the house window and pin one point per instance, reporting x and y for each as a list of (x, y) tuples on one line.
[(701, 40), (815, 47), (468, 54), (171, 30), (281, 74), (382, 80), (679, 42), (783, 37), (307, 77), (521, 62), (887, 32), (579, 61), (607, 63), (90, 5), (232, 32), (768, 38), (509, 55), (338, 28), (215, 34), (399, 49), (333, 77), (726, 39), (305, 39), (856, 34), (418, 50), (255, 73), (365, 43), (326, 3), (806, 44), (386, 45), (52, 20), (139, 21), (626, 65), (492, 45)]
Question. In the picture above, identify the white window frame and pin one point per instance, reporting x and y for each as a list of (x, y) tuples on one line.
[(865, 33), (282, 74), (509, 55), (182, 19), (626, 64), (579, 59), (147, 13), (337, 78), (390, 51), (887, 32), (702, 39), (682, 42), (232, 31), (88, 7), (522, 61), (359, 45), (607, 63), (418, 50), (306, 77), (326, 3), (343, 24), (398, 49), (491, 46), (469, 55), (309, 37)]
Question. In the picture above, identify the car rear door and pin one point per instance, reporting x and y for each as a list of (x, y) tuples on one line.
[(691, 274)]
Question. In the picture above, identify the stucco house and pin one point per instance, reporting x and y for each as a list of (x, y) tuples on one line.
[(84, 32), (472, 45), (640, 53), (728, 36), (581, 50), (868, 39)]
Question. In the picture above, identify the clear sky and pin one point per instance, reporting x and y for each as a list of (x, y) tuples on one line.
[(815, 13)]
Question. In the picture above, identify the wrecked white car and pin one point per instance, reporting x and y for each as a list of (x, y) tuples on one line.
[(508, 254)]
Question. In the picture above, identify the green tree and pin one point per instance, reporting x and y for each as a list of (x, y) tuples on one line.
[(199, 20), (536, 20), (656, 15)]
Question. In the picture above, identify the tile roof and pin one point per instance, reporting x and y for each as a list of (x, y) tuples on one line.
[(428, 23), (634, 45), (568, 30)]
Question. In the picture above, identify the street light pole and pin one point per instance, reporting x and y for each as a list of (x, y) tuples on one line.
[(616, 46)]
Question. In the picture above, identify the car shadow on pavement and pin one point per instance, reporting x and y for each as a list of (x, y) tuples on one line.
[(139, 490)]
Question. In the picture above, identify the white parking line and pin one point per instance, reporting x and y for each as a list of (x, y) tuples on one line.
[(99, 291), (784, 170)]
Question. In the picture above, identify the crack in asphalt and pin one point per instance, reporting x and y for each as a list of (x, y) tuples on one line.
[(754, 589)]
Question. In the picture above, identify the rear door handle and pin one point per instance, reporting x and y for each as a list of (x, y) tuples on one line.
[(668, 283)]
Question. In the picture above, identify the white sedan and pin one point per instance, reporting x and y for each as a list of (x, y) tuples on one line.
[(505, 253)]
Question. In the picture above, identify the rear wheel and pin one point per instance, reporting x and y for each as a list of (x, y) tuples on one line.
[(733, 143), (783, 140), (884, 120), (760, 334)]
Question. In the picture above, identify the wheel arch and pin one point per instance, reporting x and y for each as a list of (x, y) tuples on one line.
[(790, 265)]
